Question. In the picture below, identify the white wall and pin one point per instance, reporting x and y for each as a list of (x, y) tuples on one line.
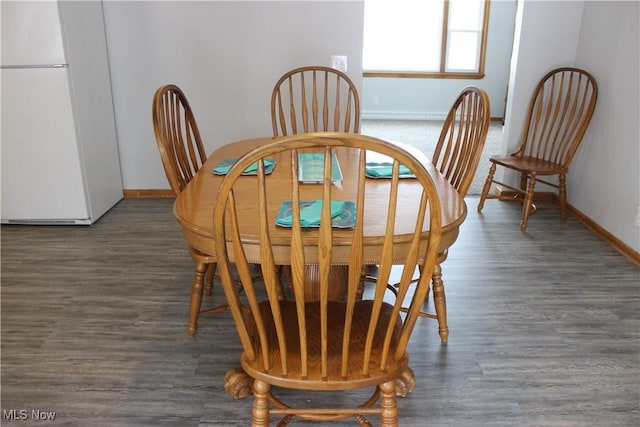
[(602, 37), (546, 37), (604, 179), (226, 56), (430, 99)]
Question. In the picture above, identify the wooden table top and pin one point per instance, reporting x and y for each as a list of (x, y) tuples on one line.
[(193, 207)]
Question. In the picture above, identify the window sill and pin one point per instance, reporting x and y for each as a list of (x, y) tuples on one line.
[(421, 75)]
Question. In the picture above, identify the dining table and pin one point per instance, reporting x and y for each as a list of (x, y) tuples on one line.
[(194, 206)]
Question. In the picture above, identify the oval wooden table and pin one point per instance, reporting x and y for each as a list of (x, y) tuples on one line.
[(194, 206)]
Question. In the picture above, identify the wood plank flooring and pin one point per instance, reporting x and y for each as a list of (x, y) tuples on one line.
[(544, 328)]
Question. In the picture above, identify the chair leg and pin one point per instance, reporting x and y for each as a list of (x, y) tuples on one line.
[(528, 202), (388, 405), (260, 411), (562, 187), (440, 303), (523, 182), (211, 273), (196, 297), (487, 186)]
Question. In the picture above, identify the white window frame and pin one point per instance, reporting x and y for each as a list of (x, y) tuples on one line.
[(448, 35)]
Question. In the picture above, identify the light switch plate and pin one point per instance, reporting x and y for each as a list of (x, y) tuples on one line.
[(339, 62)]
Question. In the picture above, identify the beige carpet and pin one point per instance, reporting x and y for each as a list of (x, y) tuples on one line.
[(423, 134)]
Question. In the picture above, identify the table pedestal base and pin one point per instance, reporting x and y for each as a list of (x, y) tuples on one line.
[(338, 277)]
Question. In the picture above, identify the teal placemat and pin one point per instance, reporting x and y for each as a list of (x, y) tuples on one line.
[(343, 213), (225, 165), (384, 170)]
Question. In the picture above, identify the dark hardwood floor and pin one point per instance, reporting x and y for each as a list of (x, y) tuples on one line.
[(544, 328)]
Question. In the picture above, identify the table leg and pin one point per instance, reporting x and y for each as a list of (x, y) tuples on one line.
[(338, 277)]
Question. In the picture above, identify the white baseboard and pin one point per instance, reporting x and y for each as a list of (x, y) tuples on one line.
[(398, 115)]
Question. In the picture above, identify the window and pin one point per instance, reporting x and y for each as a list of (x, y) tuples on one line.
[(425, 38)]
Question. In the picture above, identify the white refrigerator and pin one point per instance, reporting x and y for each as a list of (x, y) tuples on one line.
[(59, 152)]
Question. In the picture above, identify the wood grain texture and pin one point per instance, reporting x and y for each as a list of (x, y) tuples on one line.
[(337, 345), (544, 328), (464, 133), (558, 116), (314, 99)]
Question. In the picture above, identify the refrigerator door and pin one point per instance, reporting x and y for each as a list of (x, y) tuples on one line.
[(31, 34), (41, 174)]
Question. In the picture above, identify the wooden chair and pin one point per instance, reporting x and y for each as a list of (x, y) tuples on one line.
[(323, 345), (462, 138), (314, 99), (182, 155), (559, 114), (456, 156)]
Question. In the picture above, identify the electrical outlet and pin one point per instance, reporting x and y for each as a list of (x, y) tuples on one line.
[(376, 100), (339, 62), (638, 217)]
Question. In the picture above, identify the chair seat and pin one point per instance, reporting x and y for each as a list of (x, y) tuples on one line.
[(336, 320), (529, 165)]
